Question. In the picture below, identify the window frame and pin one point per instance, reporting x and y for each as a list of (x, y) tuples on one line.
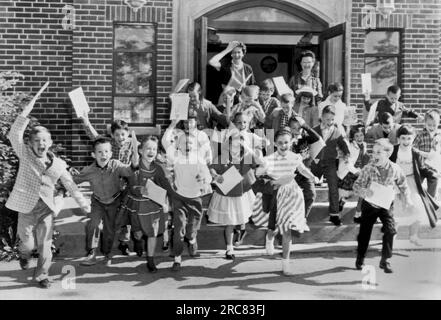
[(153, 92), (398, 55)]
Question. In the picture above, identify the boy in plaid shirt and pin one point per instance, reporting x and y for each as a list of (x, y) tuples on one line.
[(33, 193), (382, 171), (424, 142), (122, 151)]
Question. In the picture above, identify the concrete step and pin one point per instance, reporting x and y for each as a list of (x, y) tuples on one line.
[(71, 225)]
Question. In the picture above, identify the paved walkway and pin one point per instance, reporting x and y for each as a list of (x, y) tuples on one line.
[(322, 272)]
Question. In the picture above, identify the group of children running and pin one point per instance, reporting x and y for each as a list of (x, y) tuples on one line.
[(268, 140)]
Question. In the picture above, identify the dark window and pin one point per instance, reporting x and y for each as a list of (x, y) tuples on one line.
[(383, 59), (134, 71)]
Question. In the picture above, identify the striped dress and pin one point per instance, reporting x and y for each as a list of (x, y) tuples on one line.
[(290, 203)]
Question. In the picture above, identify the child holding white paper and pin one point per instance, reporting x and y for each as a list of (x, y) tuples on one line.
[(192, 180), (234, 207), (147, 217), (122, 151), (358, 158), (206, 111), (382, 171), (411, 162), (252, 141)]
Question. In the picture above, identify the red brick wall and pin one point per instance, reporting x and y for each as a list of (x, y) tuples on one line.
[(421, 64), (92, 58), (33, 42)]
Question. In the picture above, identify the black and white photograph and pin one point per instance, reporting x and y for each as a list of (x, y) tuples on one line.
[(231, 152)]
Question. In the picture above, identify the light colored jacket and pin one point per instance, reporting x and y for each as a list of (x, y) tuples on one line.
[(34, 180)]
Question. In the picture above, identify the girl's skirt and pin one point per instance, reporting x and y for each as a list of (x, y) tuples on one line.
[(231, 210)]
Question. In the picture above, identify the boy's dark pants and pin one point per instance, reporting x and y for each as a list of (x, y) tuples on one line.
[(108, 214), (187, 215), (329, 170), (369, 215), (308, 189), (432, 183)]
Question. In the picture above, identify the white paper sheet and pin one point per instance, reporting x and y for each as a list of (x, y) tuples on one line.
[(179, 109), (236, 84), (156, 193), (366, 83), (231, 178), (383, 196), (219, 136), (79, 102), (434, 161), (281, 86), (316, 147), (180, 85), (350, 117)]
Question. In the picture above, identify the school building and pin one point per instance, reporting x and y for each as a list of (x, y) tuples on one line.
[(127, 55)]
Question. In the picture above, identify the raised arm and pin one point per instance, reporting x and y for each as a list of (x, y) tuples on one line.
[(168, 139), (19, 126), (90, 130), (215, 61)]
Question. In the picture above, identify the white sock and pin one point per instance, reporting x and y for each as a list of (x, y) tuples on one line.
[(357, 214), (192, 241), (230, 248), (178, 259), (285, 264)]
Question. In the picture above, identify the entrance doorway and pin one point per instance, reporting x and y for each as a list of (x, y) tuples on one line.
[(274, 32)]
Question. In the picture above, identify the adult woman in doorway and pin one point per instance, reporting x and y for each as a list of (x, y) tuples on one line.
[(233, 72), (307, 77)]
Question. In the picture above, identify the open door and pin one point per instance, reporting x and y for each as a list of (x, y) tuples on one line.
[(200, 46), (332, 51)]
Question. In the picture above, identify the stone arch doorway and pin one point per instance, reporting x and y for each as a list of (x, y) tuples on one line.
[(272, 31)]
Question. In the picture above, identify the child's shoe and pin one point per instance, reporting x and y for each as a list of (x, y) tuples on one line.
[(286, 268), (24, 263), (165, 246), (176, 266), (357, 217), (124, 248), (335, 220), (359, 263), (241, 235), (137, 246), (415, 240), (385, 265), (108, 260), (151, 265), (192, 247), (90, 260), (341, 205), (44, 284)]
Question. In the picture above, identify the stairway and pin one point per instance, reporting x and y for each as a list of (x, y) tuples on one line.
[(71, 226)]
